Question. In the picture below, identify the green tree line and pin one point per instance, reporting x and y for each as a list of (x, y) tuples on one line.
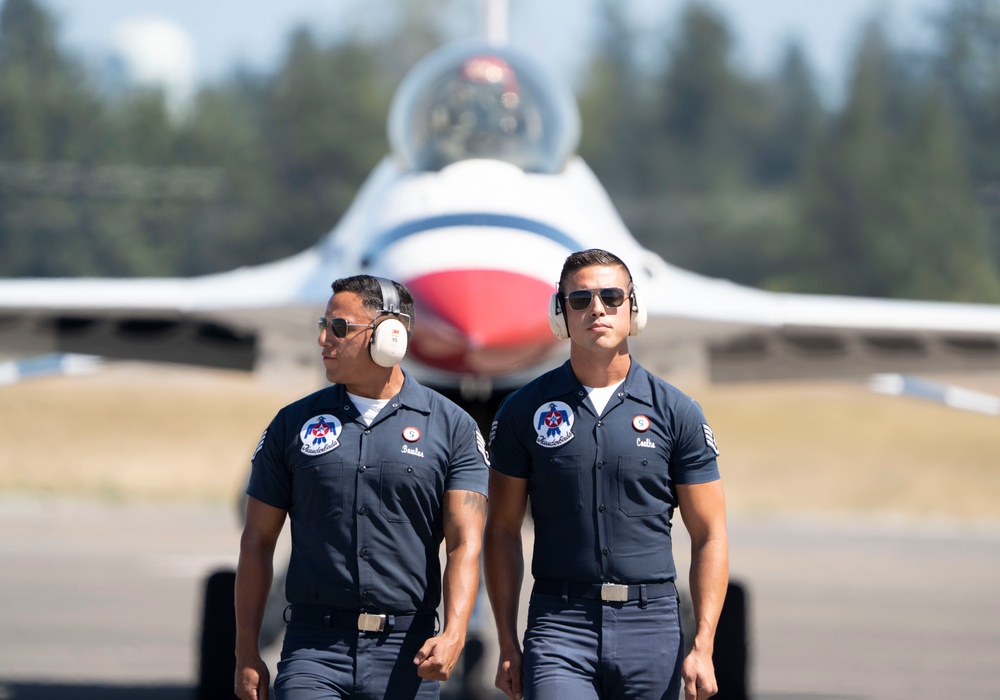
[(894, 191)]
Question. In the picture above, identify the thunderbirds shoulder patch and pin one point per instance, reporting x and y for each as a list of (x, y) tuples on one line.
[(319, 435), (553, 422)]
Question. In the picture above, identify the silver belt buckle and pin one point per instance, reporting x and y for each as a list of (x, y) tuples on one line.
[(614, 592), (370, 622)]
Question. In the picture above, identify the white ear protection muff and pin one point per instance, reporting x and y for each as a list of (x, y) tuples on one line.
[(557, 315), (638, 320), (388, 344)]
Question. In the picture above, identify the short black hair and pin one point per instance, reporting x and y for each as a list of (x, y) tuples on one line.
[(370, 291), (594, 257)]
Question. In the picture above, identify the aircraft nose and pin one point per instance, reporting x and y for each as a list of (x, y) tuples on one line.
[(480, 321)]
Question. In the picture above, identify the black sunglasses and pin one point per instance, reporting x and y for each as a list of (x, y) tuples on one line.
[(339, 326), (610, 296)]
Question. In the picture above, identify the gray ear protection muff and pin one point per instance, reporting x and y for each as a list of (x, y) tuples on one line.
[(389, 338), (557, 315)]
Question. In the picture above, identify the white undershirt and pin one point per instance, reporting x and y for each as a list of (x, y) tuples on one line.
[(599, 396), (368, 408)]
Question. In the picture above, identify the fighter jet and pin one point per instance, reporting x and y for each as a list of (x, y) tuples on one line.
[(479, 200), (476, 206)]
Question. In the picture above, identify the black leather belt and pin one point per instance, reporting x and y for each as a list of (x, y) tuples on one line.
[(358, 620), (608, 592)]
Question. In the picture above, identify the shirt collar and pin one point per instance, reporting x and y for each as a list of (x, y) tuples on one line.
[(636, 385), (412, 395)]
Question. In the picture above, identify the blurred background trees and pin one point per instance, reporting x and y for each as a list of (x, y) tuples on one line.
[(893, 191)]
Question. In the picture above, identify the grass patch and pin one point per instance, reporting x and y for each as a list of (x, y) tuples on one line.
[(155, 433)]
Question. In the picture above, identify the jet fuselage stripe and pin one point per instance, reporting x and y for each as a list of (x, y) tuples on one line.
[(410, 228)]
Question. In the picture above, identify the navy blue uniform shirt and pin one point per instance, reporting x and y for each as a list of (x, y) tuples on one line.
[(602, 488), (365, 501)]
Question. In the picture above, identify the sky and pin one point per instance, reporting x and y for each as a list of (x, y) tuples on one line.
[(204, 41)]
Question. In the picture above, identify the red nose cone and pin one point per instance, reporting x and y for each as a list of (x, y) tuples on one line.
[(480, 321)]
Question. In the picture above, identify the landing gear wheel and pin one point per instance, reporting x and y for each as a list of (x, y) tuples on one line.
[(217, 663)]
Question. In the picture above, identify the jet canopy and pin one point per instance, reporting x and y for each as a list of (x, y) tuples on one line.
[(473, 100)]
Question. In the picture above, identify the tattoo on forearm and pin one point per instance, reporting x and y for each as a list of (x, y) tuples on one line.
[(473, 500), (476, 501)]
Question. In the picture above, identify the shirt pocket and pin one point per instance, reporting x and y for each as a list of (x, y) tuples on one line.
[(409, 493), (319, 488), (644, 486), (557, 493)]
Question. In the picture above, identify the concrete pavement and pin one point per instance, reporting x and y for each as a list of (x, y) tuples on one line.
[(104, 601)]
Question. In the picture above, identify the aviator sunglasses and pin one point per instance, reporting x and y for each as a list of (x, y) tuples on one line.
[(580, 299), (340, 326)]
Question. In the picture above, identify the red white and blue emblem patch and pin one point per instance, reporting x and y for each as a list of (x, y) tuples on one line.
[(319, 435), (411, 434), (553, 422), (641, 423)]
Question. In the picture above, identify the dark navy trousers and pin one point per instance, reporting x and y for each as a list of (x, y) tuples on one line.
[(597, 650), (330, 663)]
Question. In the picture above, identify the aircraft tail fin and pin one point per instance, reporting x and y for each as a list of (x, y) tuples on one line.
[(69, 364), (495, 21), (949, 395)]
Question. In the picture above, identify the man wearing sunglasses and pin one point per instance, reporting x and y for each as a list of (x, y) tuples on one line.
[(605, 452), (373, 472)]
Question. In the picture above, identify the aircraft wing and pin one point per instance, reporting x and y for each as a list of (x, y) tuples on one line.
[(228, 320), (746, 333)]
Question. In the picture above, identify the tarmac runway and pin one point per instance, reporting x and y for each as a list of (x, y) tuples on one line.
[(103, 601)]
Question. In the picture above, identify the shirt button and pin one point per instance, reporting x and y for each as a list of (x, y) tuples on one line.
[(362, 510), (600, 424), (362, 468), (600, 465), (365, 593), (600, 508), (363, 553), (367, 432), (605, 551)]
